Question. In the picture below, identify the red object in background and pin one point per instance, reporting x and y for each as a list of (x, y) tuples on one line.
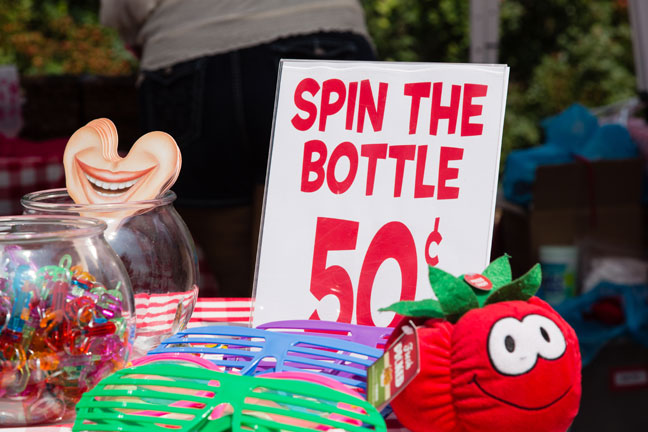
[(607, 310), (23, 148), (28, 166)]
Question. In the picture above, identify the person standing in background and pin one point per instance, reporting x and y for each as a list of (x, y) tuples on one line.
[(208, 74)]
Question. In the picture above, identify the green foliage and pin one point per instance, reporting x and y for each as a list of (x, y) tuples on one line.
[(585, 58), (560, 52), (530, 29), (419, 30), (59, 37)]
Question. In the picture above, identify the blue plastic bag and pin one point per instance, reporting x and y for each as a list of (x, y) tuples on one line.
[(519, 174), (575, 131), (593, 334), (571, 129), (610, 141)]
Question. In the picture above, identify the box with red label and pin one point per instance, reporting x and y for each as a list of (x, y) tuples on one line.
[(615, 390)]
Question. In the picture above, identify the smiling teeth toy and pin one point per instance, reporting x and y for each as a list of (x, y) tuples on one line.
[(95, 173), (492, 356)]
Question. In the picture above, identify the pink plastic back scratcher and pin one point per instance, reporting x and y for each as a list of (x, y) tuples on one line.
[(367, 335), (177, 358), (314, 378)]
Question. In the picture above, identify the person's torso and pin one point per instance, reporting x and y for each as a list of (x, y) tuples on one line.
[(179, 30)]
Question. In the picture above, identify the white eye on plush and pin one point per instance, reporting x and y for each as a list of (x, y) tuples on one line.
[(514, 345), (511, 347), (551, 342)]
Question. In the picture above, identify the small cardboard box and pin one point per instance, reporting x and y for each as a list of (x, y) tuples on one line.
[(596, 203), (615, 390)]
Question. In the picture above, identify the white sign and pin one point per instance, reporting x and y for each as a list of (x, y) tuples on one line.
[(377, 170)]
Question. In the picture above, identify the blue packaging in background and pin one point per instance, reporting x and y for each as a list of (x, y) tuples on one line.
[(559, 269)]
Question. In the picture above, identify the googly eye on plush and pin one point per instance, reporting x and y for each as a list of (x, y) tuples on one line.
[(511, 347), (514, 345), (550, 341)]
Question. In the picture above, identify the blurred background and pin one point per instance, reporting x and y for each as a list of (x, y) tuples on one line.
[(559, 51), (573, 166)]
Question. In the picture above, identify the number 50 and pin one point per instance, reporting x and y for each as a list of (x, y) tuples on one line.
[(393, 240)]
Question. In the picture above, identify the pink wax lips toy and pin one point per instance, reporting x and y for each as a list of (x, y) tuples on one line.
[(96, 174)]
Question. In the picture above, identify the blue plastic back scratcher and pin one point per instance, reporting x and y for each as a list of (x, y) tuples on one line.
[(253, 352), (363, 334)]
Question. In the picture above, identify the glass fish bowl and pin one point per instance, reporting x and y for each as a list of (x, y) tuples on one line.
[(66, 315), (157, 250)]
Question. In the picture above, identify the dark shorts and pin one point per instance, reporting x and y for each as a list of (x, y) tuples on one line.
[(219, 109)]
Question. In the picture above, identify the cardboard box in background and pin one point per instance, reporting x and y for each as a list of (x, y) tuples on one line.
[(594, 205), (615, 390)]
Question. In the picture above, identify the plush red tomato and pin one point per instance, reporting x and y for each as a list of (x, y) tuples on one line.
[(488, 363)]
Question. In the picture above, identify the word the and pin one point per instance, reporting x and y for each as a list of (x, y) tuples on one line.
[(420, 90)]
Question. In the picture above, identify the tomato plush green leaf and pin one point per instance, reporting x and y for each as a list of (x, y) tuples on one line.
[(499, 271), (428, 308), (481, 296), (455, 296), (499, 274), (522, 288)]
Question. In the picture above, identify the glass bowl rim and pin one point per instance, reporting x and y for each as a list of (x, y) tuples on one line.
[(70, 227), (41, 201)]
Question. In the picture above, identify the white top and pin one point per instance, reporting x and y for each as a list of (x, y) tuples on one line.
[(172, 31)]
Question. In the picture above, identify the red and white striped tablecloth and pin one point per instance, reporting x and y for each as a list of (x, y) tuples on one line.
[(156, 313), (221, 311), (28, 166)]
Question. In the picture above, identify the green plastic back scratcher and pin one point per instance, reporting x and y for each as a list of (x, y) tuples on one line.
[(172, 397)]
